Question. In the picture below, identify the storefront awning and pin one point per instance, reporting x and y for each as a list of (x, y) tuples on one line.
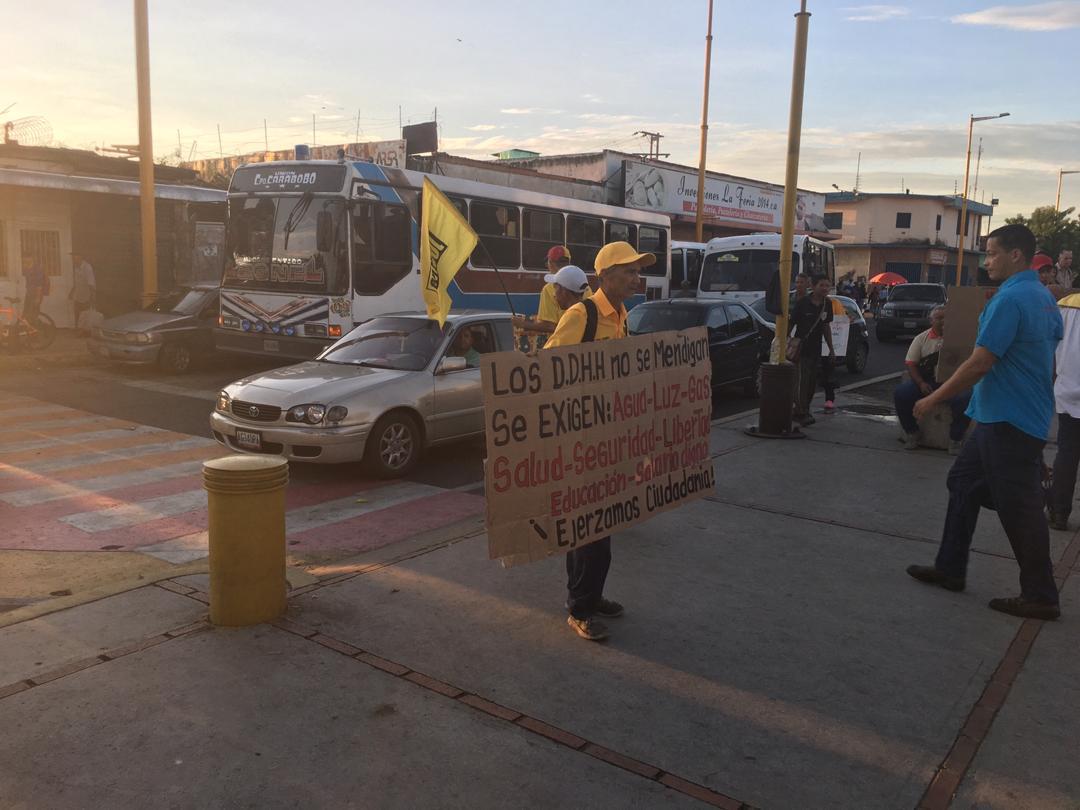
[(27, 178)]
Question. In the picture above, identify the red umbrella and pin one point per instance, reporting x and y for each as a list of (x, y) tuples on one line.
[(888, 279)]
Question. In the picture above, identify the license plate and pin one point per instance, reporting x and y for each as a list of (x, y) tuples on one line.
[(249, 438), (909, 324), (271, 346)]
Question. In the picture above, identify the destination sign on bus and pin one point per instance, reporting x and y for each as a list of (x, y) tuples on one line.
[(302, 177)]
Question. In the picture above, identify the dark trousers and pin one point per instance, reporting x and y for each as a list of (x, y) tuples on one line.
[(586, 570), (828, 382), (809, 363), (1000, 467), (1065, 464), (907, 394)]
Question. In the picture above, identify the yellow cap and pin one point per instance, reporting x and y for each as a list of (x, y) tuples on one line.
[(615, 253)]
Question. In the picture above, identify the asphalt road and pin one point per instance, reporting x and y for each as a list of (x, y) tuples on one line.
[(183, 403)]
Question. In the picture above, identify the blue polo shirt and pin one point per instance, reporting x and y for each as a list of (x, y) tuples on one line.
[(1021, 326)]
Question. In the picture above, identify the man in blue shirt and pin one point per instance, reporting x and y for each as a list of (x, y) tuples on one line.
[(1000, 465)]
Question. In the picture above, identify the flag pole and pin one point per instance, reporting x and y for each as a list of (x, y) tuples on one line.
[(498, 275)]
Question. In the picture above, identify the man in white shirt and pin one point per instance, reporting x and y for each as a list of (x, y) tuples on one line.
[(84, 286), (921, 362), (1063, 272), (1067, 405)]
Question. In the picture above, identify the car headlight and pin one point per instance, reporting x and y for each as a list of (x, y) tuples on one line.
[(310, 414), (337, 414), (223, 402)]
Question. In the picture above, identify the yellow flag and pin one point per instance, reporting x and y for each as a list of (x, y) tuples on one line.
[(446, 240)]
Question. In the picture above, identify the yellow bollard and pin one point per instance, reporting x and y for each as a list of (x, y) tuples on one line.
[(246, 505)]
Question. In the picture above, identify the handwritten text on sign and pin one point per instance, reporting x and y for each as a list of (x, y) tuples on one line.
[(584, 441)]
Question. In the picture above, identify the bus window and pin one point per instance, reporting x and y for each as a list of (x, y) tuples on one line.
[(584, 237), (497, 227), (621, 232), (460, 205), (742, 269), (693, 265), (653, 240), (678, 267), (542, 230), (382, 246)]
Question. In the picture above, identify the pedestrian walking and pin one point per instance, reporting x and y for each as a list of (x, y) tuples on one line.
[(810, 320), (36, 285), (83, 293), (602, 317), (1000, 464), (921, 363), (1067, 405)]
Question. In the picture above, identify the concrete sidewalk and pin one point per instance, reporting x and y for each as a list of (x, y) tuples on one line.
[(68, 349), (774, 654)]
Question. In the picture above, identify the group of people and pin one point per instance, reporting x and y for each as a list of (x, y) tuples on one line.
[(37, 284)]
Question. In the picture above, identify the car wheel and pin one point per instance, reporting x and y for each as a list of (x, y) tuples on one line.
[(175, 357), (394, 446), (856, 362)]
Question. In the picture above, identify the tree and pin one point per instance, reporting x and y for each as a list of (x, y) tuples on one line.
[(1054, 230)]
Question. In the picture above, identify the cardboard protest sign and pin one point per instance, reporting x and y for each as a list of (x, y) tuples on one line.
[(585, 441), (962, 312)]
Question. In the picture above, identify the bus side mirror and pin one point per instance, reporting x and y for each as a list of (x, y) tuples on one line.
[(324, 232)]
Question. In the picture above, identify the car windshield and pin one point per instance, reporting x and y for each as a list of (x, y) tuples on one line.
[(404, 344), (182, 302), (743, 270), (272, 244), (917, 292), (647, 318)]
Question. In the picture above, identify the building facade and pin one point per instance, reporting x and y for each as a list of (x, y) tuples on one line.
[(913, 235), (54, 202)]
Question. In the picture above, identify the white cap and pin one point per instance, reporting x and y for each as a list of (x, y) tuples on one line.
[(571, 277)]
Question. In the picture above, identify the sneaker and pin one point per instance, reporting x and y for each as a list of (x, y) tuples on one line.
[(1058, 522), (911, 441), (830, 406), (931, 576), (954, 447), (1018, 606), (590, 628), (609, 609)]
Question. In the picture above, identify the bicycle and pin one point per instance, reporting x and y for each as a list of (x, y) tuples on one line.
[(17, 332)]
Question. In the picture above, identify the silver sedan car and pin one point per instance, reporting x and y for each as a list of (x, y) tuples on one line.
[(383, 393)]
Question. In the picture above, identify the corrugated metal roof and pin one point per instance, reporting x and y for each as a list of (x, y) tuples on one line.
[(28, 178)]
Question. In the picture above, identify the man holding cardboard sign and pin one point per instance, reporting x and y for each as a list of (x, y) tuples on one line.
[(1000, 465), (602, 317)]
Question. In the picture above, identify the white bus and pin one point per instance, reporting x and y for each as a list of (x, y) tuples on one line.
[(686, 261), (315, 247), (741, 267)]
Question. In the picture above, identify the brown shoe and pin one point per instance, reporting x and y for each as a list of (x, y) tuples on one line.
[(590, 628), (1019, 606)]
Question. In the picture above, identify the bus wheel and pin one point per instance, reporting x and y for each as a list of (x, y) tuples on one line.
[(394, 445)]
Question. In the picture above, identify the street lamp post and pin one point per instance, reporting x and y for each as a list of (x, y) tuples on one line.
[(146, 154), (1061, 174), (963, 200), (699, 221)]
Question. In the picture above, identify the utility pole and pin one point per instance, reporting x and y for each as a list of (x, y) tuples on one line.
[(978, 162), (179, 144), (220, 148), (1061, 174), (699, 205), (266, 136), (654, 144), (313, 130), (858, 170), (357, 138), (972, 119), (146, 153)]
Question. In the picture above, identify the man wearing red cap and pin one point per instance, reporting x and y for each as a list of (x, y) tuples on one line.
[(602, 317), (553, 301)]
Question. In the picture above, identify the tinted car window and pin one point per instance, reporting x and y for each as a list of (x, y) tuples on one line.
[(717, 322), (759, 307), (741, 320), (647, 318), (181, 301), (918, 292)]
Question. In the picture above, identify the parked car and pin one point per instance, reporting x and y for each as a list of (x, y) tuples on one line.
[(737, 343), (384, 392), (908, 310), (858, 348), (174, 332)]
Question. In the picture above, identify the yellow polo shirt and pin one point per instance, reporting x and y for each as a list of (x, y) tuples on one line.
[(610, 323), (550, 310)]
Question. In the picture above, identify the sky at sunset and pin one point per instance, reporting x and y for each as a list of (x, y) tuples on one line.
[(893, 81)]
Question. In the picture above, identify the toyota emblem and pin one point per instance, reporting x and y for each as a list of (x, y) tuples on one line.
[(253, 412)]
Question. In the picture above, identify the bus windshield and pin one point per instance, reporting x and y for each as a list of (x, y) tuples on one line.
[(742, 270), (272, 245)]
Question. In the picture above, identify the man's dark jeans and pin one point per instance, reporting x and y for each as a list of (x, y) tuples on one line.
[(1065, 464), (907, 394), (586, 570), (1000, 467)]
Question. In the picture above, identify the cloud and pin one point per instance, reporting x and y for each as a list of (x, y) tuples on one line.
[(592, 98), (528, 111), (1055, 16), (875, 13), (481, 127)]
